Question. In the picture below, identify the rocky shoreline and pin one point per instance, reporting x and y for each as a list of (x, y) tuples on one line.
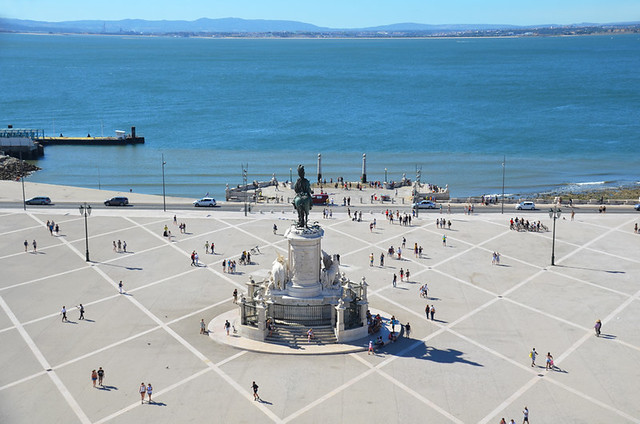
[(12, 168)]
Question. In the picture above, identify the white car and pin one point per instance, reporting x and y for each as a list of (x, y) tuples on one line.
[(205, 201), (526, 206), (425, 204)]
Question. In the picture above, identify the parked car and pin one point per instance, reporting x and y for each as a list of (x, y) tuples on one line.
[(320, 199), (637, 207), (526, 206), (425, 204), (117, 201), (205, 201), (40, 200)]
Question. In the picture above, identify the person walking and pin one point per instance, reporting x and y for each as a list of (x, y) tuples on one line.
[(35, 247), (81, 309), (203, 326), (114, 246), (63, 312), (598, 327), (401, 274), (254, 386), (406, 275), (120, 287), (275, 228), (407, 329), (143, 391), (100, 376), (235, 295), (370, 351), (124, 246), (206, 247), (549, 365), (395, 279), (193, 258), (426, 311), (432, 312), (444, 240), (26, 245), (371, 259), (525, 414), (382, 259), (119, 246), (94, 377), (149, 392), (533, 355), (227, 326)]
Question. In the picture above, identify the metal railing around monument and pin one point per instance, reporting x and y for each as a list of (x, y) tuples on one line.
[(352, 315), (249, 315), (312, 315)]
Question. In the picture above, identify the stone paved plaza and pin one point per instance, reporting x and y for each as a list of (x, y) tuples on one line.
[(469, 365)]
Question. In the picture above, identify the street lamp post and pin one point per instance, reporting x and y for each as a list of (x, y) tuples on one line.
[(85, 210), (24, 199), (503, 162), (385, 175), (554, 213), (164, 202), (246, 189)]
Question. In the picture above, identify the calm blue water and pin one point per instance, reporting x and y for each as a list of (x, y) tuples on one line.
[(562, 110)]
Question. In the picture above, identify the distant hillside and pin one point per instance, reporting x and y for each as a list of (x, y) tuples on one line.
[(159, 27), (237, 25)]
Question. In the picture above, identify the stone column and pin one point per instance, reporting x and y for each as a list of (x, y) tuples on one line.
[(319, 168), (339, 329), (262, 319), (364, 168), (304, 261)]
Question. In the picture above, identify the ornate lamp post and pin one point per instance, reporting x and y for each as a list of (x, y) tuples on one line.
[(164, 202), (554, 213), (85, 210)]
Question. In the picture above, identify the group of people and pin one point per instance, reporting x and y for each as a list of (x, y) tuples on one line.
[(245, 258), (424, 291), (97, 376), (63, 312), (52, 226), (495, 258), (443, 223), (521, 224), (327, 213), (35, 246), (207, 246), (120, 246), (549, 360), (195, 259), (374, 323), (229, 266), (525, 419)]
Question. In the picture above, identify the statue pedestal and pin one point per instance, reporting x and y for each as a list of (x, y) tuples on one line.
[(304, 261)]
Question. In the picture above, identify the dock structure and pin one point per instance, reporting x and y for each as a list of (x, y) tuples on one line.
[(21, 142)]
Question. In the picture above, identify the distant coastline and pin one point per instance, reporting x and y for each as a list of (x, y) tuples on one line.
[(278, 29)]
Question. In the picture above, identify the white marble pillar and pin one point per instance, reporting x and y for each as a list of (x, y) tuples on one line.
[(304, 261)]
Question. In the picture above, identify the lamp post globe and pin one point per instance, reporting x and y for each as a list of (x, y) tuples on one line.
[(85, 209)]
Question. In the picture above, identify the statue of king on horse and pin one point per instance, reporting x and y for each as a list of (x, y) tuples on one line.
[(303, 201)]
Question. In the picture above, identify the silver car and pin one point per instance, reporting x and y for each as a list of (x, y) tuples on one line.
[(527, 205), (205, 201)]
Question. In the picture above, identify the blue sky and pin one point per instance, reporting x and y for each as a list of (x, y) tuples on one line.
[(334, 13)]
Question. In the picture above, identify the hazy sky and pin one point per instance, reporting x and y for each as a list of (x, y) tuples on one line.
[(334, 13)]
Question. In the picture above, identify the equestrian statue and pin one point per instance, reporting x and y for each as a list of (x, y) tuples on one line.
[(303, 201)]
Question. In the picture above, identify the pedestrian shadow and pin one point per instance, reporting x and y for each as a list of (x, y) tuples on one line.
[(107, 388), (153, 402), (400, 288), (592, 269), (264, 401), (38, 253), (129, 268), (70, 322), (88, 320), (442, 356), (608, 336)]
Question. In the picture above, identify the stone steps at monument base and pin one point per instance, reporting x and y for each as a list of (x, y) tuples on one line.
[(292, 335)]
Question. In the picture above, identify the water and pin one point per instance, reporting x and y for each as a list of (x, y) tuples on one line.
[(562, 110)]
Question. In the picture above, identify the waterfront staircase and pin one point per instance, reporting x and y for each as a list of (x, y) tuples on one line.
[(295, 335)]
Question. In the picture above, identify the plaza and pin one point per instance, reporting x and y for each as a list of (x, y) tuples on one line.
[(468, 365)]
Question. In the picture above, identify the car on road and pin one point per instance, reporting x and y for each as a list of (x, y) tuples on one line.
[(40, 200), (205, 201), (425, 204), (117, 201), (527, 205), (637, 207)]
